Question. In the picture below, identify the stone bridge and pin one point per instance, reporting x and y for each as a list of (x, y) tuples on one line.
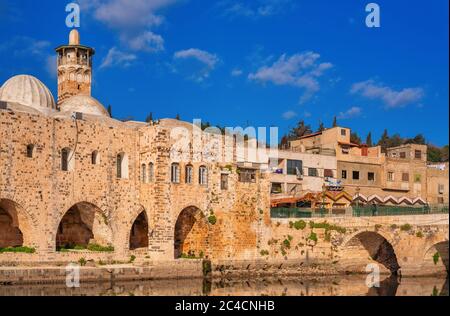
[(406, 244)]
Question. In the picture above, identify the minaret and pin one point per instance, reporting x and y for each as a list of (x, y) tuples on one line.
[(74, 68)]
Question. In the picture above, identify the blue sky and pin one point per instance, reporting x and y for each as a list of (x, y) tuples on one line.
[(261, 62)]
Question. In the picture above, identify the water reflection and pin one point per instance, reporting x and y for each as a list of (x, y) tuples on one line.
[(324, 286)]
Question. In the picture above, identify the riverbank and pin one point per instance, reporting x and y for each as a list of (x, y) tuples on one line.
[(175, 270)]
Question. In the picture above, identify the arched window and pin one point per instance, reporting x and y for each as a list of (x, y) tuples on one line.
[(151, 172), (67, 159), (30, 151), (122, 166), (95, 157), (175, 173), (203, 176), (144, 173), (189, 176)]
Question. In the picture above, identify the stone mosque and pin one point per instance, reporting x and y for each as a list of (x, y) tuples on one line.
[(72, 177)]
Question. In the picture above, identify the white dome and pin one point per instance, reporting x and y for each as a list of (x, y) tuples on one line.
[(84, 104), (29, 91)]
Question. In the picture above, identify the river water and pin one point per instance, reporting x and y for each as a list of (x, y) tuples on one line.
[(354, 285)]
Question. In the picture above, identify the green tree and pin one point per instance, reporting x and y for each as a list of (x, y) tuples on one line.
[(369, 140), (178, 117), (444, 153), (149, 117), (110, 110), (384, 141), (354, 138), (335, 122), (434, 153), (321, 127)]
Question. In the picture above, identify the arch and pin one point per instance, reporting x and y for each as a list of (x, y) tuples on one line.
[(203, 175), (436, 257), (67, 159), (30, 150), (139, 232), (144, 173), (15, 226), (83, 224), (191, 233), (95, 157), (189, 174), (175, 173), (151, 172), (122, 166), (376, 245)]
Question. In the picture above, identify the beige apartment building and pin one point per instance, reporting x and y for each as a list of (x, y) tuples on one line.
[(400, 176)]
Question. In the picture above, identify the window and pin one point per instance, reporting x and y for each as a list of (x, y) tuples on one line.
[(122, 166), (344, 174), (144, 173), (66, 160), (405, 177), (247, 175), (355, 175), (175, 173), (224, 182), (276, 188), (95, 158), (189, 174), (403, 155), (343, 132), (441, 189), (371, 176), (30, 151), (328, 173), (312, 172), (390, 176), (417, 154), (203, 176), (151, 172), (294, 167), (440, 200)]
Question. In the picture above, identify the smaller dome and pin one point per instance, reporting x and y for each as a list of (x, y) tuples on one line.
[(29, 91), (84, 104)]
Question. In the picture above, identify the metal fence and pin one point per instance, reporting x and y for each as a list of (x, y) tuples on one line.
[(355, 211)]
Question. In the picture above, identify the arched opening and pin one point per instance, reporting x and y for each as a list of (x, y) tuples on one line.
[(203, 176), (175, 173), (122, 166), (191, 234), (144, 173), (67, 159), (95, 157), (379, 249), (436, 258), (83, 224), (30, 151), (10, 233), (139, 232)]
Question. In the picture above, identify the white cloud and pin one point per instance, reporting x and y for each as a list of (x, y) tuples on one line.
[(208, 60), (51, 66), (236, 72), (390, 97), (133, 20), (299, 70), (147, 41), (254, 9), (116, 57), (289, 115), (307, 114), (354, 111)]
